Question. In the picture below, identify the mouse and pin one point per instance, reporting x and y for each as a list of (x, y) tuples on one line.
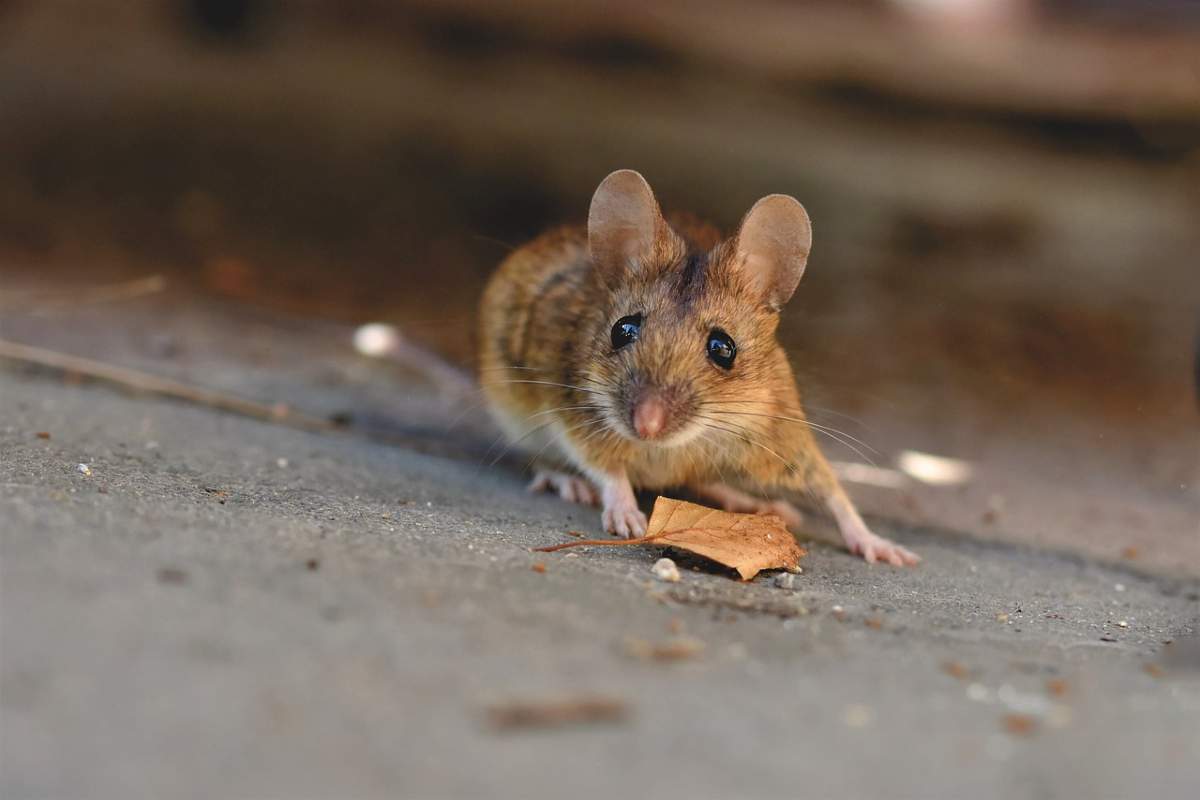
[(638, 352)]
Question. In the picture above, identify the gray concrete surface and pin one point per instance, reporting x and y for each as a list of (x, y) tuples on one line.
[(158, 642)]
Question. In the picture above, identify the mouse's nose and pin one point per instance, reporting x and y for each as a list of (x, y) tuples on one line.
[(649, 416)]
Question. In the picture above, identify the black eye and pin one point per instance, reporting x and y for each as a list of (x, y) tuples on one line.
[(626, 331), (721, 349)]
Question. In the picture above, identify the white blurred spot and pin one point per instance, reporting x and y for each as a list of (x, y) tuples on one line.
[(869, 476), (376, 339), (934, 470)]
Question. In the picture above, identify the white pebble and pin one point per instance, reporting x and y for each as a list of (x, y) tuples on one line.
[(282, 463), (376, 339), (665, 570), (785, 580), (84, 470)]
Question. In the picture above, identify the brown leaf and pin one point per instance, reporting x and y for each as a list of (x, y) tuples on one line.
[(749, 543)]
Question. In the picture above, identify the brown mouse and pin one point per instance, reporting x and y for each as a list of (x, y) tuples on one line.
[(641, 353)]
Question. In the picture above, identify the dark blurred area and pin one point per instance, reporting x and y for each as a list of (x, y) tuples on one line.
[(1005, 193)]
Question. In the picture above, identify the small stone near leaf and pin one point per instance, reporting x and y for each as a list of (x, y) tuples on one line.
[(785, 580), (665, 570)]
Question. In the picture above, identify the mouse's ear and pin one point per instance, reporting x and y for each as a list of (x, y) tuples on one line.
[(772, 247), (624, 224)]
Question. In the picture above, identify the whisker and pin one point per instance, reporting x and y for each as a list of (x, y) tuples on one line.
[(584, 378), (520, 439), (707, 422), (832, 433), (533, 459), (552, 383), (814, 425)]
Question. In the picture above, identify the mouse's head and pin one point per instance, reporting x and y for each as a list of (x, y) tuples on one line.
[(685, 331)]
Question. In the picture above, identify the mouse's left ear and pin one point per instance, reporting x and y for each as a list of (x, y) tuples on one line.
[(772, 246), (625, 226)]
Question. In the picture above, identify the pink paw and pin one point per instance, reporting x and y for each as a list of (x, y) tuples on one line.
[(571, 488), (624, 520), (875, 548)]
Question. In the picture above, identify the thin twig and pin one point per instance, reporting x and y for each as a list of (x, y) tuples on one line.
[(40, 303), (602, 542), (145, 382)]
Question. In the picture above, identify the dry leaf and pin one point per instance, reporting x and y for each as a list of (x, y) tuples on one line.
[(749, 543)]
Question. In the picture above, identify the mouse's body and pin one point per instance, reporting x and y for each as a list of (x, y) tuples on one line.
[(634, 353)]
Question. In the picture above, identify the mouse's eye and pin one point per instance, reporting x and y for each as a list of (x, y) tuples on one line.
[(721, 349), (626, 331)]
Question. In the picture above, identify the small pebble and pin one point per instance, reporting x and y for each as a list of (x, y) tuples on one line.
[(1002, 617), (376, 339), (665, 570), (785, 580), (1120, 587), (1122, 624), (282, 463), (84, 470)]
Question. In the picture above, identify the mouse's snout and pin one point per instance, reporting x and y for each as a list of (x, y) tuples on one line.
[(658, 413), (649, 415)]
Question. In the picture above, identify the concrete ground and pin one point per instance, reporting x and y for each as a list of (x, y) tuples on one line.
[(231, 608)]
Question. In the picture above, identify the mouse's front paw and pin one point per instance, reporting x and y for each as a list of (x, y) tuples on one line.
[(624, 520), (875, 548), (571, 488)]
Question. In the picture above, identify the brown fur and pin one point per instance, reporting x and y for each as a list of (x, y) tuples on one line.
[(546, 317)]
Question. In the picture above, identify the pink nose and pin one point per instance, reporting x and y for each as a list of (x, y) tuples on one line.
[(649, 416)]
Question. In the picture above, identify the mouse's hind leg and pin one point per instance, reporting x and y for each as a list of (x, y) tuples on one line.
[(731, 499), (572, 488)]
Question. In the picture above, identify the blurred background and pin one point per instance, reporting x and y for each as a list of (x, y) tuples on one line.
[(1005, 195)]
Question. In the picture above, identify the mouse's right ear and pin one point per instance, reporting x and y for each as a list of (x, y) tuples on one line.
[(624, 225), (773, 244)]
